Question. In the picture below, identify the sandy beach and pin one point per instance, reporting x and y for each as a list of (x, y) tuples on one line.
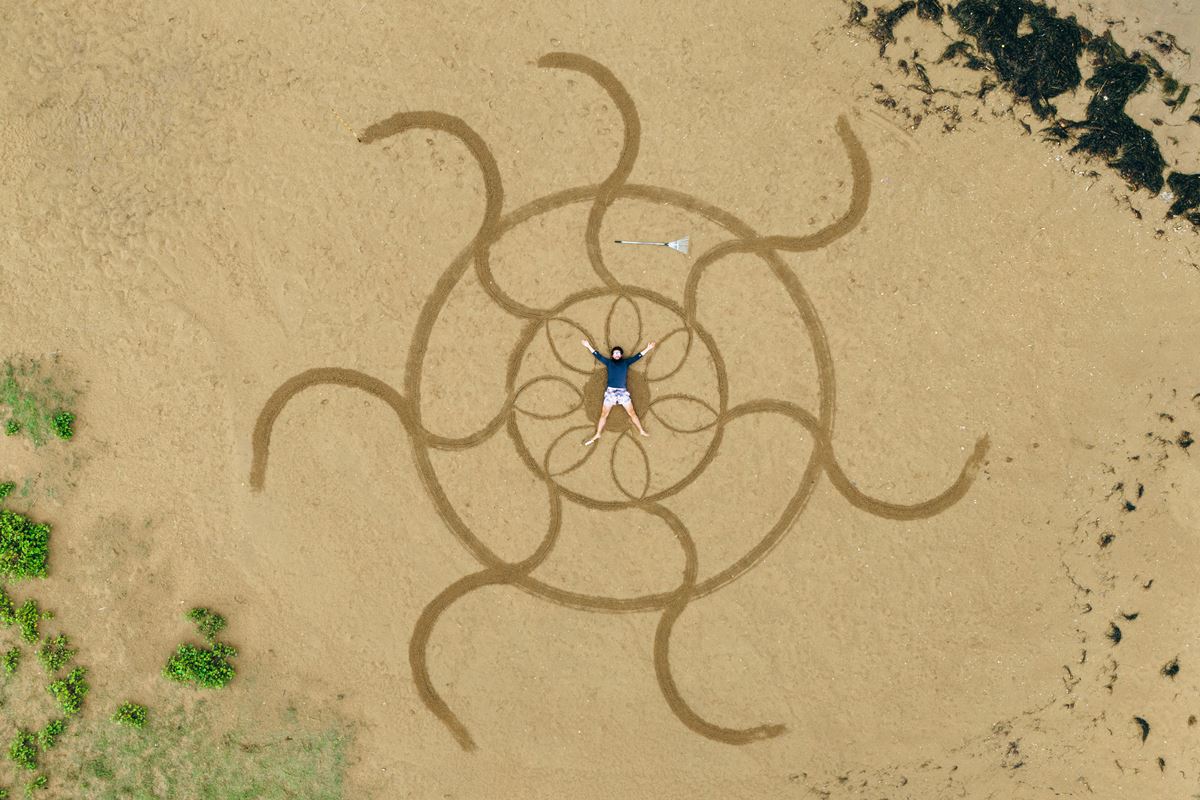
[(920, 416)]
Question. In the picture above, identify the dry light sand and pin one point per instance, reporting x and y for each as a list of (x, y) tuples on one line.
[(900, 567)]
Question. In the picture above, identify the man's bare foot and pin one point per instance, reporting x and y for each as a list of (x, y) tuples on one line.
[(643, 432), (590, 441)]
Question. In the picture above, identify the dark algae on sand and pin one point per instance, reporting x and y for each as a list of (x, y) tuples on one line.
[(1037, 55)]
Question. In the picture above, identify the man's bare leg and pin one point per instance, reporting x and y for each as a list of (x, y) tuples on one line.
[(599, 425), (637, 423)]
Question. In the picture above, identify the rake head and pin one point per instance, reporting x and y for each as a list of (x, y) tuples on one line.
[(679, 244)]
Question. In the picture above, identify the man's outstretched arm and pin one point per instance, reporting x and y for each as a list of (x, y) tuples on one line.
[(594, 352), (649, 347)]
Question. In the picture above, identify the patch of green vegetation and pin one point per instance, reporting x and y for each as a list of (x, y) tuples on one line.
[(209, 667), (24, 546), (48, 736), (36, 784), (182, 755), (64, 424), (23, 750), (12, 660), (33, 401), (70, 691), (6, 489), (8, 614), (208, 623), (55, 653), (131, 714), (28, 617)]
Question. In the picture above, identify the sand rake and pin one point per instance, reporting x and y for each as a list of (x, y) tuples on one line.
[(679, 245)]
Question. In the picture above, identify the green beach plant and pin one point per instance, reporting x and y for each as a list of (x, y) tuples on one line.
[(55, 652), (27, 617), (6, 489), (36, 784), (48, 736), (209, 668), (24, 546), (64, 424), (208, 623), (36, 406), (70, 691), (8, 614), (131, 714), (23, 750), (12, 660)]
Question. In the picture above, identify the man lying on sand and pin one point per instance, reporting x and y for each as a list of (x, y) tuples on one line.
[(617, 393)]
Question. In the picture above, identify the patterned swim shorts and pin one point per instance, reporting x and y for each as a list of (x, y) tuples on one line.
[(614, 396)]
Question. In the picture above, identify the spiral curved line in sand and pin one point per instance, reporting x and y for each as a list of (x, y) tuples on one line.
[(860, 197), (837, 476), (418, 645), (662, 646), (630, 144), (496, 570), (493, 188)]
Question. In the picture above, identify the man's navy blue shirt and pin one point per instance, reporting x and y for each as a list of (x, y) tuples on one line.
[(618, 371)]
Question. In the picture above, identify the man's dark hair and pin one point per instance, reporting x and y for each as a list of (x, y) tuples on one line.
[(613, 352)]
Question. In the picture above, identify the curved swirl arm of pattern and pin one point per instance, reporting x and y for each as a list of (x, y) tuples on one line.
[(351, 378), (860, 196), (611, 186), (662, 647), (493, 186), (499, 575), (837, 476)]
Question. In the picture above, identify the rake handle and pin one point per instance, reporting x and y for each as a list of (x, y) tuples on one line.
[(660, 244)]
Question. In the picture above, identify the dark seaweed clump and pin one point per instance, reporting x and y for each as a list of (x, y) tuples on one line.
[(1109, 132), (1038, 65), (1186, 188), (1036, 54)]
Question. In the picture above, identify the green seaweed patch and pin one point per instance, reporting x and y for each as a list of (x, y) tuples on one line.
[(6, 489), (70, 691), (37, 407), (208, 623), (23, 750), (12, 660), (131, 714), (37, 784), (207, 667), (24, 546)]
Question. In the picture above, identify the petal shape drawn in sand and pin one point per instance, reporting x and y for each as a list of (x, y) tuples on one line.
[(669, 354), (623, 326), (548, 397), (565, 337), (566, 453), (630, 466), (683, 413)]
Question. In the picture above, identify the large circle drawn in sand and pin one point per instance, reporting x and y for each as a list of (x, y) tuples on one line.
[(551, 444)]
